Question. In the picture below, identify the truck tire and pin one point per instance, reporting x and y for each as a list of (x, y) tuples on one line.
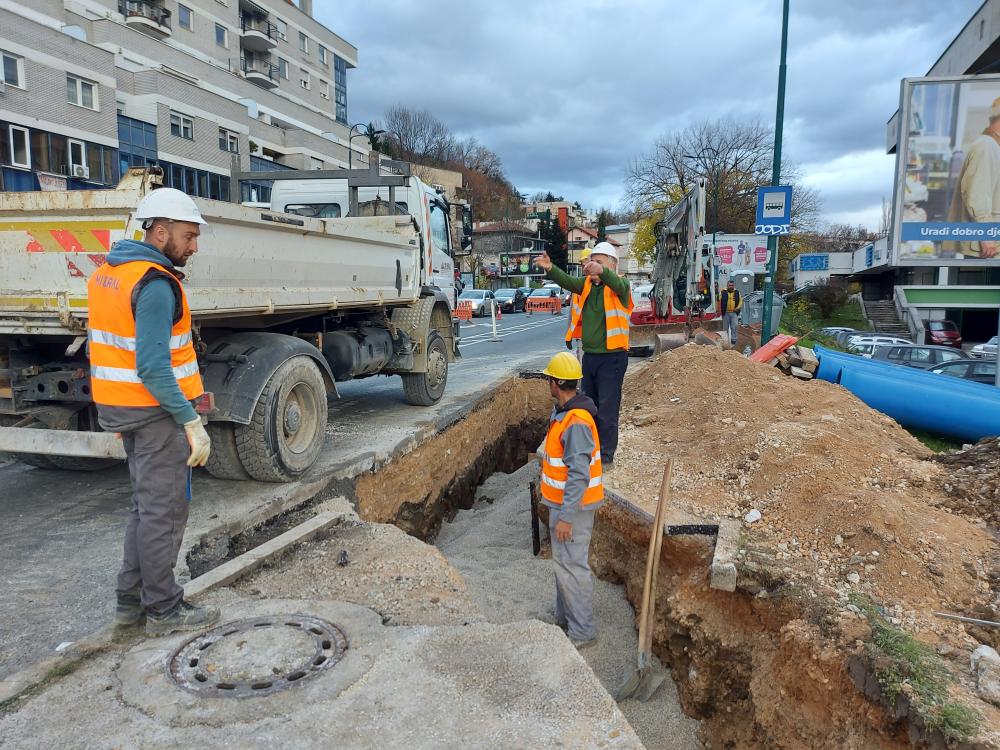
[(224, 460), (286, 432), (427, 388)]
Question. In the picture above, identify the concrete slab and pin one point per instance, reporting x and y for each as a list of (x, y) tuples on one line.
[(477, 686)]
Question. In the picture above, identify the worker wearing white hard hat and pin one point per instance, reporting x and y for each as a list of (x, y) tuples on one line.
[(145, 380), (603, 324)]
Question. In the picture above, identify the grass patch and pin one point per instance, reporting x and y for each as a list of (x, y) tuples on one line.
[(904, 665), (802, 318), (937, 443)]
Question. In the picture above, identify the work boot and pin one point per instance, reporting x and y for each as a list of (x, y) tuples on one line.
[(580, 644), (185, 616), (128, 612)]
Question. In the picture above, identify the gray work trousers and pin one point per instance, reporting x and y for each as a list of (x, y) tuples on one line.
[(574, 582), (730, 322), (157, 462)]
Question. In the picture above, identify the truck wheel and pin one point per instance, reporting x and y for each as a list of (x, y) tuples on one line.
[(426, 388), (224, 460), (288, 426)]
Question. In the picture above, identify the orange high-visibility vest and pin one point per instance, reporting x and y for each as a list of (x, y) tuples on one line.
[(575, 331), (554, 469), (111, 334), (616, 317)]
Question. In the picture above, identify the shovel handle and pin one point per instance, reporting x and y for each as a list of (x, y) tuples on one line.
[(645, 617), (662, 502)]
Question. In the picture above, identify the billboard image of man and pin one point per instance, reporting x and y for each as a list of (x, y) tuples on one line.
[(977, 194)]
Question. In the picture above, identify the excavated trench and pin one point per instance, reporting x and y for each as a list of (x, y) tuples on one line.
[(755, 666)]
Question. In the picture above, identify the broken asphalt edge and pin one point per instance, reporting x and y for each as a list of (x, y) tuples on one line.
[(38, 674)]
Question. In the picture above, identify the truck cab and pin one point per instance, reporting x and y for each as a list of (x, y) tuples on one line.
[(430, 210)]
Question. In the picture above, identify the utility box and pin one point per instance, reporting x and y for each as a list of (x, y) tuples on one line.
[(753, 310)]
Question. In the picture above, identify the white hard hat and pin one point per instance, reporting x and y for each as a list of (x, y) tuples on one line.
[(168, 203), (605, 248)]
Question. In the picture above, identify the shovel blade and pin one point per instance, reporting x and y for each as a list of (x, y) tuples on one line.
[(649, 685)]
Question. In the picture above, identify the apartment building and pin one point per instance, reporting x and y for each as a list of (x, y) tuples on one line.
[(92, 87)]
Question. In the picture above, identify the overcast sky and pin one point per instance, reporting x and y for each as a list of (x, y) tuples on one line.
[(566, 92)]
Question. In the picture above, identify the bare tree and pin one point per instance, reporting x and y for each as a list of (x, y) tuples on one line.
[(885, 222), (417, 135), (734, 159)]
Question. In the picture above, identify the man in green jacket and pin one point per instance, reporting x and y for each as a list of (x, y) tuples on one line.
[(603, 324)]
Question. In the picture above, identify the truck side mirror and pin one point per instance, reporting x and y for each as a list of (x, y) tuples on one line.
[(466, 228)]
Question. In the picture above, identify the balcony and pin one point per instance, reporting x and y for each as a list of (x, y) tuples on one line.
[(258, 34), (262, 72), (149, 17)]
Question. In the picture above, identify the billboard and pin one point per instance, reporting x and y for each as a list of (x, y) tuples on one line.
[(946, 208), (739, 252), (520, 264)]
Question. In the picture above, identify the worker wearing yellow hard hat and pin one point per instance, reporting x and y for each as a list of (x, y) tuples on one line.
[(572, 487)]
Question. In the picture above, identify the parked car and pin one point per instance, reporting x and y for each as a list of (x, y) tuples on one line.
[(834, 330), (866, 343), (480, 299), (510, 300), (916, 355), (942, 333), (985, 351), (841, 336), (977, 370), (545, 292), (563, 295)]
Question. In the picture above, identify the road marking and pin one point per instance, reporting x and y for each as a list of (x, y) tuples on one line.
[(501, 333)]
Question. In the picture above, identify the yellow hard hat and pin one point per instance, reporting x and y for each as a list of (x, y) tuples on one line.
[(564, 366), (585, 253)]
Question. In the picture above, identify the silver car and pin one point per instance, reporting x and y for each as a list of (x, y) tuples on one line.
[(985, 351), (479, 299)]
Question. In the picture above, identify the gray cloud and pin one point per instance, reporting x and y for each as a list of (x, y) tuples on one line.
[(567, 92)]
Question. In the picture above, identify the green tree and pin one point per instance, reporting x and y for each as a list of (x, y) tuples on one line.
[(555, 240), (602, 225)]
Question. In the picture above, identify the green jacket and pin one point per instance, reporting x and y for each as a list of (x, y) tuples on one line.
[(595, 334)]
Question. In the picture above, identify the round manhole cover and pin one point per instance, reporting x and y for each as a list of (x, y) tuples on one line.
[(257, 656)]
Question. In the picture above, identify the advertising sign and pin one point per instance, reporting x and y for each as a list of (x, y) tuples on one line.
[(947, 192), (520, 264), (774, 209), (740, 252)]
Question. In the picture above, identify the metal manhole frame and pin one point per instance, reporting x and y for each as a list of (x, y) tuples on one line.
[(330, 644)]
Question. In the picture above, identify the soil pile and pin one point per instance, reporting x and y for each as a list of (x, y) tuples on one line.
[(971, 481), (845, 494)]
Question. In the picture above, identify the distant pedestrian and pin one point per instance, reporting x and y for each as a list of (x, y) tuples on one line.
[(730, 304), (603, 321), (572, 488), (145, 377)]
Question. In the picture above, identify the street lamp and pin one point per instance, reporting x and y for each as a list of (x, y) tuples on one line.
[(368, 132)]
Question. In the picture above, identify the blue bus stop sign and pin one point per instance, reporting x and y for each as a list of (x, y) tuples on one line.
[(774, 209)]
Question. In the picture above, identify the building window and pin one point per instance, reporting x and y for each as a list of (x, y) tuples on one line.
[(340, 87), (181, 126), (77, 155), (324, 89), (20, 154), (282, 29), (229, 141), (304, 80), (196, 182), (13, 70), (323, 55), (81, 92), (283, 68), (303, 42), (185, 18), (221, 36), (136, 143)]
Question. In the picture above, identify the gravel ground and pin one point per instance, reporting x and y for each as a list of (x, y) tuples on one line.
[(491, 546)]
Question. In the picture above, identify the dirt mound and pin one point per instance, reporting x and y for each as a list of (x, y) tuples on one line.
[(845, 494), (971, 481)]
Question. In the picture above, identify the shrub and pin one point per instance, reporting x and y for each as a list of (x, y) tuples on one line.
[(827, 297)]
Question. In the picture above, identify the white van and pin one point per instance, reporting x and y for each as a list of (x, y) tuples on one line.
[(866, 343)]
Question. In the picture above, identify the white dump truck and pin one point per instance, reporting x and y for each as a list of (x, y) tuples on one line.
[(353, 277)]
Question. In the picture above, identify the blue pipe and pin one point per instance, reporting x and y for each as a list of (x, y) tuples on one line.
[(916, 398)]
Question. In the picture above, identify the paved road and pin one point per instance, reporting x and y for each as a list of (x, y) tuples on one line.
[(60, 532)]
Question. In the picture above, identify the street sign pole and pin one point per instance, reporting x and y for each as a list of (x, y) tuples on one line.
[(772, 239)]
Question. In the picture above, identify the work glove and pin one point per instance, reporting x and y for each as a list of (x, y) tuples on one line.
[(200, 442)]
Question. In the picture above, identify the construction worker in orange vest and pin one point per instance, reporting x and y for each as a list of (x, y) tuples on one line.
[(145, 379), (574, 333), (603, 322), (572, 488)]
